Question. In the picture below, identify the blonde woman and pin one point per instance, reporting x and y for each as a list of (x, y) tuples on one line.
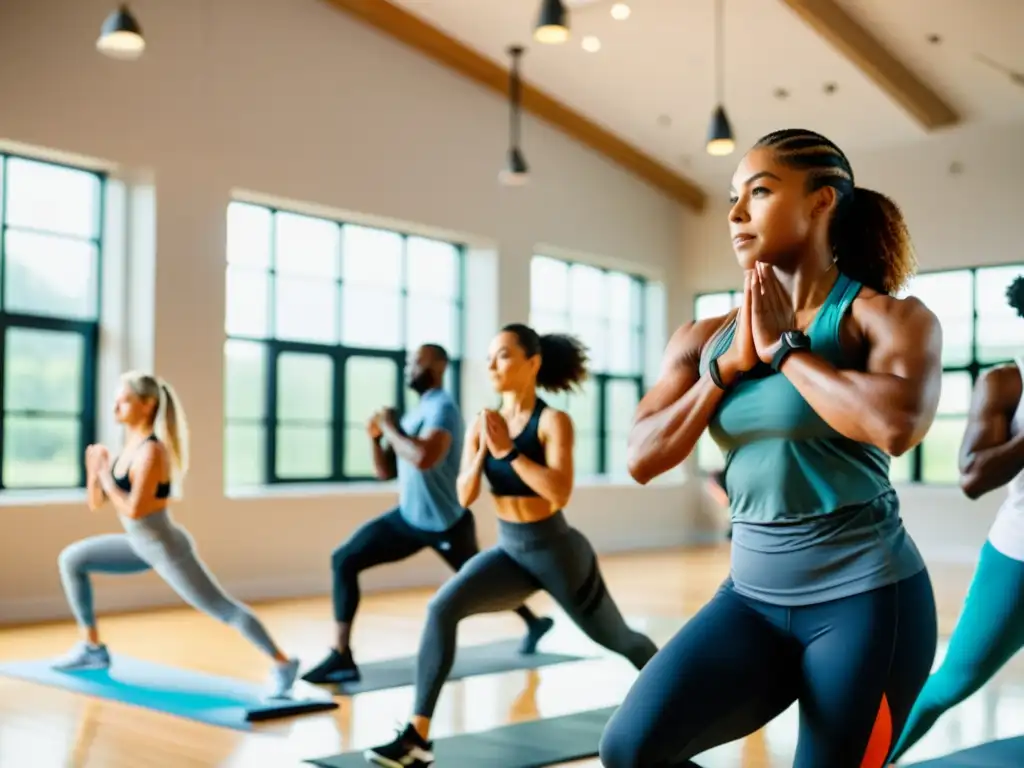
[(138, 484)]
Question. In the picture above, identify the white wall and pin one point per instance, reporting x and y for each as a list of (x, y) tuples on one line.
[(969, 218), (290, 98)]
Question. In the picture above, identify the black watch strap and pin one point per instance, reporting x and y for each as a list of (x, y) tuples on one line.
[(511, 456), (716, 374), (791, 341)]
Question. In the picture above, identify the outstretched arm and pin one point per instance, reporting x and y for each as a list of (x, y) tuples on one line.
[(989, 456), (891, 405), (553, 482), (675, 412)]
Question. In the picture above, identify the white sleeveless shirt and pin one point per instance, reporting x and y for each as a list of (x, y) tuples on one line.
[(1007, 532)]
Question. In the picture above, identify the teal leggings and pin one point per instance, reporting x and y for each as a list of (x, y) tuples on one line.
[(989, 632)]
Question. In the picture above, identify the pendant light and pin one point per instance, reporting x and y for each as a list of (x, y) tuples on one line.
[(720, 139), (553, 23), (516, 172), (121, 36)]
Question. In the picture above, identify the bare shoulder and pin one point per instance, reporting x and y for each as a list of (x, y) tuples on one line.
[(555, 422), (880, 315), (688, 341), (1001, 386)]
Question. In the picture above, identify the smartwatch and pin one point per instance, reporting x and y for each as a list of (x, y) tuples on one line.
[(511, 456), (790, 341)]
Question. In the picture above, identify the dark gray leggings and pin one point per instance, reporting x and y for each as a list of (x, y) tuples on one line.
[(548, 555)]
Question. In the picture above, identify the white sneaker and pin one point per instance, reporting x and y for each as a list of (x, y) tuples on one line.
[(84, 656), (283, 678)]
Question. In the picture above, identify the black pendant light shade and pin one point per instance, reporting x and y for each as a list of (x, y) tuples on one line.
[(552, 23), (720, 138), (516, 171), (121, 36)]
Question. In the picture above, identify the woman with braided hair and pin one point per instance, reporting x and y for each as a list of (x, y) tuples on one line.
[(809, 388), (990, 629)]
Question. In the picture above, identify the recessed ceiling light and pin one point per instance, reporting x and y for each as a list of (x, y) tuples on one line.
[(781, 93), (621, 11), (830, 88), (665, 121), (591, 44), (934, 39)]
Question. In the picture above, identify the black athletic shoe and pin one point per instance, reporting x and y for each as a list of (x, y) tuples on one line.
[(336, 668), (537, 630), (408, 750)]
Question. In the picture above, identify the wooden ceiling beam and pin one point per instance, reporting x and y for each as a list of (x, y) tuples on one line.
[(431, 41), (833, 24)]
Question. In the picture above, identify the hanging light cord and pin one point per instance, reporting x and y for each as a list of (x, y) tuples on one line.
[(719, 53), (515, 93)]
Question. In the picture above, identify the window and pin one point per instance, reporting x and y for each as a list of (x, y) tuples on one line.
[(320, 316), (979, 331), (50, 248), (612, 313)]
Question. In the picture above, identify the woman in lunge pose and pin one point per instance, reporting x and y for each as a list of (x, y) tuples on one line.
[(990, 629), (531, 479), (809, 388), (138, 484)]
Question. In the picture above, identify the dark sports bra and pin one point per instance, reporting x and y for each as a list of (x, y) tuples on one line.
[(501, 475), (163, 490)]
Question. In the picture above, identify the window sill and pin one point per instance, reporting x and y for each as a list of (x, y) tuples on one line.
[(41, 498), (390, 487)]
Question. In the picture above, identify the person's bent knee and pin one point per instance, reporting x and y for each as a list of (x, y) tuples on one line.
[(69, 560), (624, 745)]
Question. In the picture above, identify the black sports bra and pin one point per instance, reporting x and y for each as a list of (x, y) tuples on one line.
[(163, 490), (501, 475)]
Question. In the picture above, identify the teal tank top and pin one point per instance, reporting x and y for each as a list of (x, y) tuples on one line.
[(783, 462)]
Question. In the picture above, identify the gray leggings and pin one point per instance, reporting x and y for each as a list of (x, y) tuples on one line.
[(154, 543), (547, 555)]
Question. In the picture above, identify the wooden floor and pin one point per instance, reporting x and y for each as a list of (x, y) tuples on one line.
[(43, 727)]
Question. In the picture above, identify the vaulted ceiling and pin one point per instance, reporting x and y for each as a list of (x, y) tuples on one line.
[(867, 73)]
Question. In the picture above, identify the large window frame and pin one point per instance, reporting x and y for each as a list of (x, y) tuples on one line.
[(604, 381), (341, 429), (86, 329), (968, 365)]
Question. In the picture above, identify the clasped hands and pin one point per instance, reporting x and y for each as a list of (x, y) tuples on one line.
[(381, 418), (765, 314), (494, 435), (97, 460)]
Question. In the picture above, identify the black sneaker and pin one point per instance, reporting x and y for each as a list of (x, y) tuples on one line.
[(408, 750), (336, 668), (537, 630)]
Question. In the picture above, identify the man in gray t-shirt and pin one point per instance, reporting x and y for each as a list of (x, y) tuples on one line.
[(423, 450)]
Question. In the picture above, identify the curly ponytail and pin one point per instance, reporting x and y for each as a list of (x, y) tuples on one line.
[(563, 365), (1015, 295), (869, 236)]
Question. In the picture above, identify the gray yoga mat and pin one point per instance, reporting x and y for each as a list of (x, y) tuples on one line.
[(470, 660), (535, 744), (1005, 753)]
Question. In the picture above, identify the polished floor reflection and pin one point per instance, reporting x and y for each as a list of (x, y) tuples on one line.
[(49, 728)]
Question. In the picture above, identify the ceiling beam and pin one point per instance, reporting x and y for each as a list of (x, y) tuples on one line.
[(842, 32), (431, 41)]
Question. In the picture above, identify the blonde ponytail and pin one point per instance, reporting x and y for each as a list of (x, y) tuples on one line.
[(171, 428)]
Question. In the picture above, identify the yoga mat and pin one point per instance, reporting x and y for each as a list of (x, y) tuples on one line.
[(183, 692), (470, 660), (1005, 753), (535, 744)]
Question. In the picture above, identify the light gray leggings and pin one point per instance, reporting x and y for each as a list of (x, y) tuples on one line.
[(548, 555), (154, 543)]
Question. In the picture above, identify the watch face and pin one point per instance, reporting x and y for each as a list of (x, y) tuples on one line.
[(797, 339)]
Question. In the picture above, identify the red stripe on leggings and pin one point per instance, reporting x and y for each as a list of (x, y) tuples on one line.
[(881, 738)]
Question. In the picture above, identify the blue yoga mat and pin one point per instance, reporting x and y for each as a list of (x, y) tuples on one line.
[(1005, 753), (198, 696)]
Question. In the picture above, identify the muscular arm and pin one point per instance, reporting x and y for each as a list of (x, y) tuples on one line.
[(146, 472), (422, 452), (468, 483), (553, 482), (892, 405), (675, 412), (989, 457), (384, 460)]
